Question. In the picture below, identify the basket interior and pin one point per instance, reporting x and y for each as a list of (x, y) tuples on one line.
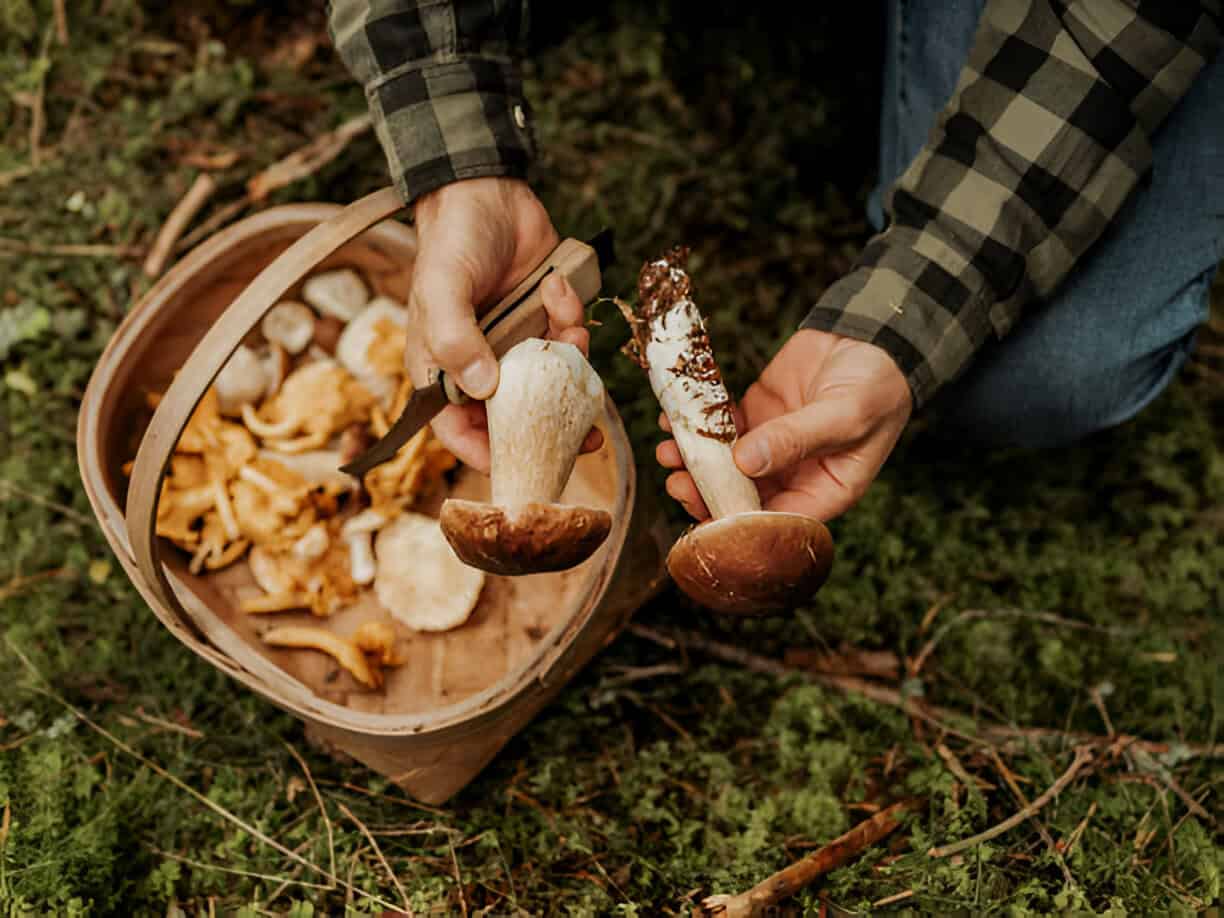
[(514, 615)]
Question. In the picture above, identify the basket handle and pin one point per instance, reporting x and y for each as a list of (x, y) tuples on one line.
[(196, 375)]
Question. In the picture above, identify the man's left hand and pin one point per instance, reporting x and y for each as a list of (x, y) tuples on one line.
[(815, 429)]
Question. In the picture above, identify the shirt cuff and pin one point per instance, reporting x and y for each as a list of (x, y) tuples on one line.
[(461, 119), (918, 300)]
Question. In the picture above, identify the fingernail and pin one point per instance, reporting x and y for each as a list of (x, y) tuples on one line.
[(752, 456), (479, 378)]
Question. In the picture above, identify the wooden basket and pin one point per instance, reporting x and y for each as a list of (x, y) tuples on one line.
[(460, 695)]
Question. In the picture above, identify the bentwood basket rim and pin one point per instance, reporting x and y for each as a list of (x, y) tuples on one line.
[(550, 662)]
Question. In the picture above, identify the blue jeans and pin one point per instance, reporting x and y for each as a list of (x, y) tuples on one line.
[(1117, 330)]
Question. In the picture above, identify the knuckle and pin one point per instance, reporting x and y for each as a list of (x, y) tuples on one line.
[(449, 341)]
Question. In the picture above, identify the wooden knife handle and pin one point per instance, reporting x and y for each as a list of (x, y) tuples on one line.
[(520, 314)]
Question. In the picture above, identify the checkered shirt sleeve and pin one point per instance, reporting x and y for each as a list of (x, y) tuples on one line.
[(444, 89), (1047, 134)]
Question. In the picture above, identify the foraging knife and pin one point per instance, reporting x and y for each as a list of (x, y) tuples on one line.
[(517, 317)]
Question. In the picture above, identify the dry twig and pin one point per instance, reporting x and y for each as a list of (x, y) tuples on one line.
[(790, 880), (381, 859), (307, 160), (314, 789), (170, 725), (1067, 846), (61, 21), (10, 246), (989, 735), (187, 207), (1046, 837), (300, 164), (1083, 755)]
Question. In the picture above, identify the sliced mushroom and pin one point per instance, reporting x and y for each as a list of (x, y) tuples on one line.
[(289, 324), (242, 381), (341, 293), (745, 560), (362, 565), (372, 345), (313, 545), (346, 653), (419, 580), (546, 401)]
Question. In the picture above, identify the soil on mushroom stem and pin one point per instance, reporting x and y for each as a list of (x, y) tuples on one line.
[(656, 778)]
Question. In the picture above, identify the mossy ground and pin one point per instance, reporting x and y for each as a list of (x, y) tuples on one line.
[(748, 135)]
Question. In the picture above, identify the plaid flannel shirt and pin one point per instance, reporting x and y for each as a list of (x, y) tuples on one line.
[(443, 84), (1047, 134)]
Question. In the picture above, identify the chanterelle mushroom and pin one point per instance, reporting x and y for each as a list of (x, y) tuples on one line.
[(547, 399), (745, 560)]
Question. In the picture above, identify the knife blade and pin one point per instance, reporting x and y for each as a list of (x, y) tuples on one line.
[(518, 316)]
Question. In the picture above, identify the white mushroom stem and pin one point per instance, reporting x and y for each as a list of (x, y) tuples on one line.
[(685, 379), (547, 399), (361, 557)]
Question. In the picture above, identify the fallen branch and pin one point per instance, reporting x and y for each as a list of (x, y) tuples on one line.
[(307, 160), (787, 882), (1083, 755), (61, 21), (187, 207), (300, 164), (990, 735), (9, 246)]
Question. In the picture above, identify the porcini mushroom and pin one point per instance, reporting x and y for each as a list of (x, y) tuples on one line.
[(745, 560), (419, 580), (546, 401)]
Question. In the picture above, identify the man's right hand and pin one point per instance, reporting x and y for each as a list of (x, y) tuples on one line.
[(477, 238)]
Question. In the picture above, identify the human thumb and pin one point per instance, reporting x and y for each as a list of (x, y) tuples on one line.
[(786, 440), (442, 302)]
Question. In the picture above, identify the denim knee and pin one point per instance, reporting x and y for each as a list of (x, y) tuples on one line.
[(1068, 375), (1043, 407)]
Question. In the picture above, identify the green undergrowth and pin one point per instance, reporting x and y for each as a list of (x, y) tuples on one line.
[(1061, 588)]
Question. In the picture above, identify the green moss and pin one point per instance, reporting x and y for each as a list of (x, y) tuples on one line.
[(752, 144)]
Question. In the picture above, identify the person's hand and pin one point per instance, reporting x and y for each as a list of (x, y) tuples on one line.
[(814, 429), (478, 238)]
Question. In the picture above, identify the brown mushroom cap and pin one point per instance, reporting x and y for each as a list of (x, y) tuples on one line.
[(528, 539), (752, 563)]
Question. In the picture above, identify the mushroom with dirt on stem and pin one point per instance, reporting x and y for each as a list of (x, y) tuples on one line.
[(745, 560), (547, 399)]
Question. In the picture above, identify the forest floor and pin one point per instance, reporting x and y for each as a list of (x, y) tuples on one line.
[(989, 613)]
